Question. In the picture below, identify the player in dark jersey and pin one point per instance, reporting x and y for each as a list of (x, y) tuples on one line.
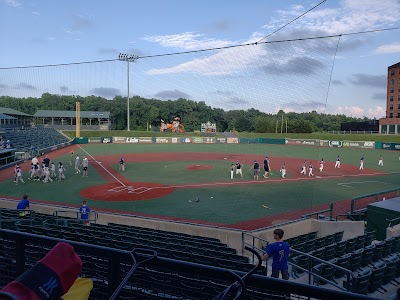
[(256, 170)]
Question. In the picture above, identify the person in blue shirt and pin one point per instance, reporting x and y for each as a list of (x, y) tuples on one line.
[(84, 210), (23, 204), (279, 251)]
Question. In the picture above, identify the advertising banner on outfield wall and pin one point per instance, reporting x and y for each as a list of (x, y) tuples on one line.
[(209, 140), (395, 146), (336, 144), (161, 140), (119, 139), (186, 140), (145, 140), (175, 140), (355, 144), (232, 140), (197, 140), (302, 142), (94, 140), (220, 140), (106, 140)]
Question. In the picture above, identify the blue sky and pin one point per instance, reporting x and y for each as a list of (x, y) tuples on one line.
[(289, 76)]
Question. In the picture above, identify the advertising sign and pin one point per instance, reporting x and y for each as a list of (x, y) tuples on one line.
[(162, 140), (186, 140), (106, 140), (94, 140), (145, 140), (131, 140), (197, 140), (336, 144), (209, 140), (174, 140), (221, 140), (232, 140), (119, 139)]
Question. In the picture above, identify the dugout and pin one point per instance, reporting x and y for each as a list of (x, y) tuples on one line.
[(6, 156), (381, 215)]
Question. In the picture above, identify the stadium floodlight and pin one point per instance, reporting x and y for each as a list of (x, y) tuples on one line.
[(128, 59)]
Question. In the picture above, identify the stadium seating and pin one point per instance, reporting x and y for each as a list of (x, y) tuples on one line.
[(40, 138)]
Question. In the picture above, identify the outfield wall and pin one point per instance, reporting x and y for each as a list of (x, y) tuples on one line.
[(236, 140)]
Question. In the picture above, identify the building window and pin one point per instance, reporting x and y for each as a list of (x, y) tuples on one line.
[(392, 81), (391, 107), (391, 98), (392, 73), (392, 91), (398, 115), (390, 115), (398, 106)]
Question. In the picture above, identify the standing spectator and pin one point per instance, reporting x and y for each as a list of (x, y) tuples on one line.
[(232, 170), (84, 210), (18, 177), (239, 169), (77, 164), (61, 170), (362, 163), (85, 164), (321, 165), (337, 163), (380, 162), (256, 170), (121, 165), (279, 251), (266, 167), (283, 170), (23, 205)]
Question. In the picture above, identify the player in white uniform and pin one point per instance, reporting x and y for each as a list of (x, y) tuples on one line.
[(61, 170), (19, 176), (232, 170), (337, 163), (85, 165), (304, 168), (321, 165), (362, 163), (310, 170), (380, 162), (283, 170), (77, 164), (53, 170), (47, 177)]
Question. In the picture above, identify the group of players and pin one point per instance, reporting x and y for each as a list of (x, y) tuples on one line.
[(304, 167), (46, 171)]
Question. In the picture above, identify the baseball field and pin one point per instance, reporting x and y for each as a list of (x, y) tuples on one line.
[(191, 182)]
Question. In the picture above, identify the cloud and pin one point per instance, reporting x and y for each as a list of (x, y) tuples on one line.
[(379, 96), (337, 82), (64, 89), (36, 13), (378, 81), (3, 86), (105, 92), (358, 111), (13, 3), (389, 48), (297, 65), (188, 41), (171, 94), (24, 86)]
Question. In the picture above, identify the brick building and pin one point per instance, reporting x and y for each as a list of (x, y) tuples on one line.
[(391, 124)]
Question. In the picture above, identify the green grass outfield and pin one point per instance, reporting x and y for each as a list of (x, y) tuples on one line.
[(227, 204)]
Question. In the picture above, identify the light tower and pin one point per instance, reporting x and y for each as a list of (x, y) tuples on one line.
[(128, 58)]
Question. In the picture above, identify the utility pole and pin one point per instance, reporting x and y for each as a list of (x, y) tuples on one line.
[(128, 59), (282, 125)]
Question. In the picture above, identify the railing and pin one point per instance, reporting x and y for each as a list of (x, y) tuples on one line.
[(62, 216), (26, 218), (160, 278), (391, 221), (371, 198)]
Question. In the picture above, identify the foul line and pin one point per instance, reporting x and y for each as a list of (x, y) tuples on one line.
[(102, 166)]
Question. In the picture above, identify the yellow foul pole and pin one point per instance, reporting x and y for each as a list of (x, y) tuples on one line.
[(78, 120)]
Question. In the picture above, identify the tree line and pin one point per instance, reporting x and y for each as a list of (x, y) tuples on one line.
[(144, 112)]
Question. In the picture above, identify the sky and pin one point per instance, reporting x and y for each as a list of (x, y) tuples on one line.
[(339, 75)]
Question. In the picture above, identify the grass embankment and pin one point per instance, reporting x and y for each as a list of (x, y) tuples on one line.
[(124, 133)]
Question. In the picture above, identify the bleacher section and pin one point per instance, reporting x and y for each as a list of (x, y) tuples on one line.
[(372, 264), (186, 266), (40, 138)]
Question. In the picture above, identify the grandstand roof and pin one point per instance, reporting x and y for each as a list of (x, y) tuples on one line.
[(6, 117), (71, 114), (10, 111)]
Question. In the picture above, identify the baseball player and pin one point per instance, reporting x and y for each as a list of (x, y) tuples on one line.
[(239, 169), (362, 163), (310, 170), (304, 168), (380, 162), (232, 170), (321, 165), (337, 163), (283, 170)]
